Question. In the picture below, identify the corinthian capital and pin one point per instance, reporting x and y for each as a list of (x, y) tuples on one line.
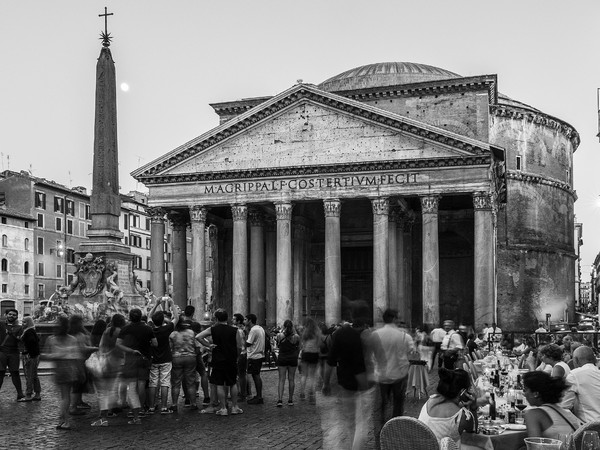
[(483, 201), (239, 212), (381, 206), (429, 204), (333, 207), (198, 213), (284, 211), (156, 214)]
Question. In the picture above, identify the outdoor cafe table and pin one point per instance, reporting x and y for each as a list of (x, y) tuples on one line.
[(507, 440)]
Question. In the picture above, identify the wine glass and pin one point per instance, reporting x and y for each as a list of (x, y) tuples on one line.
[(590, 441)]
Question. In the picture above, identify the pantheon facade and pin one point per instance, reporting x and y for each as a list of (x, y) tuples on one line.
[(392, 185)]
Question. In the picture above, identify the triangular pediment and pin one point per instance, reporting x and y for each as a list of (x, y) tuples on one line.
[(305, 128)]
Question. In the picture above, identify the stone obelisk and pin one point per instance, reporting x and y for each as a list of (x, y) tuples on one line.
[(105, 270)]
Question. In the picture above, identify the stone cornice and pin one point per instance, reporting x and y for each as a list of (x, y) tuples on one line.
[(537, 179), (369, 166), (539, 118), (470, 147), (477, 83), (525, 247)]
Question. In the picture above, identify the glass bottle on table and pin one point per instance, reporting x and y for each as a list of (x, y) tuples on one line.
[(492, 406)]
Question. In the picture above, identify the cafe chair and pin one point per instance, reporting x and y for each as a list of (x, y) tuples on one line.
[(407, 433), (578, 435), (448, 443)]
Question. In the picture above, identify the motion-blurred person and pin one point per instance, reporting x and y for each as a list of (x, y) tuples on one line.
[(65, 351), (288, 343), (10, 332), (31, 360), (345, 416), (136, 340), (80, 387), (452, 345), (97, 331), (551, 355), (391, 346), (437, 336), (310, 341), (107, 385)]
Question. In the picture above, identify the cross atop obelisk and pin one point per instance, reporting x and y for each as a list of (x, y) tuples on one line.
[(106, 35)]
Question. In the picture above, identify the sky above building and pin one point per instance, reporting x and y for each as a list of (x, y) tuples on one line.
[(174, 58)]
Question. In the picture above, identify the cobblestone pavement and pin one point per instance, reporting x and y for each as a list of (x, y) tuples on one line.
[(32, 425)]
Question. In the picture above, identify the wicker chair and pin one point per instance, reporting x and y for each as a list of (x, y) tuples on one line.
[(578, 435), (407, 433), (448, 443)]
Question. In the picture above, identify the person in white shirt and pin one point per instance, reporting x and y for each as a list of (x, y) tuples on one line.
[(437, 336), (584, 386), (255, 350), (452, 345), (493, 333)]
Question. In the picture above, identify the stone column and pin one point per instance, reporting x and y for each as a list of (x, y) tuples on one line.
[(333, 261), (240, 259), (298, 270), (198, 276), (212, 291), (271, 272), (431, 260), (485, 249), (179, 247), (257, 266), (393, 265), (284, 262), (380, 257), (405, 235), (157, 251)]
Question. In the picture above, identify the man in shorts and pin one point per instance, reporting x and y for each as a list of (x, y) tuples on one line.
[(10, 333), (255, 350), (226, 344), (160, 370)]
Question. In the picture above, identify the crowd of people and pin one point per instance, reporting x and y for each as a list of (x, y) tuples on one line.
[(142, 365)]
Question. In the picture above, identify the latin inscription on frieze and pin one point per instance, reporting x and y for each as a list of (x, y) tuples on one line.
[(303, 184)]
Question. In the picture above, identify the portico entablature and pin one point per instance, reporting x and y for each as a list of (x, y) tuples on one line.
[(384, 183)]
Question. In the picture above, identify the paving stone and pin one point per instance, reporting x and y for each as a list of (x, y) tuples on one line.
[(32, 425)]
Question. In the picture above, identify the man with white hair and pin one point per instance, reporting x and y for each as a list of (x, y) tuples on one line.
[(584, 386)]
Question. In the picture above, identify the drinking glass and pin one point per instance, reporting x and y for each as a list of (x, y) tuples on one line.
[(565, 439), (590, 441)]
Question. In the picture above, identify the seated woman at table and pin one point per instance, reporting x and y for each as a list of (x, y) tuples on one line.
[(445, 413), (551, 355), (546, 418)]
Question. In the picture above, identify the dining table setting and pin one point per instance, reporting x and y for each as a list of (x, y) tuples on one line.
[(496, 376)]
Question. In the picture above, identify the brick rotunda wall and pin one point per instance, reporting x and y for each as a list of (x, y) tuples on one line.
[(535, 253)]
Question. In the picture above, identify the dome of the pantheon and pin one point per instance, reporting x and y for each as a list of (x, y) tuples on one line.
[(385, 74)]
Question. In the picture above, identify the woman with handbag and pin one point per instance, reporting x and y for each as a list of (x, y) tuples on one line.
[(110, 359)]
